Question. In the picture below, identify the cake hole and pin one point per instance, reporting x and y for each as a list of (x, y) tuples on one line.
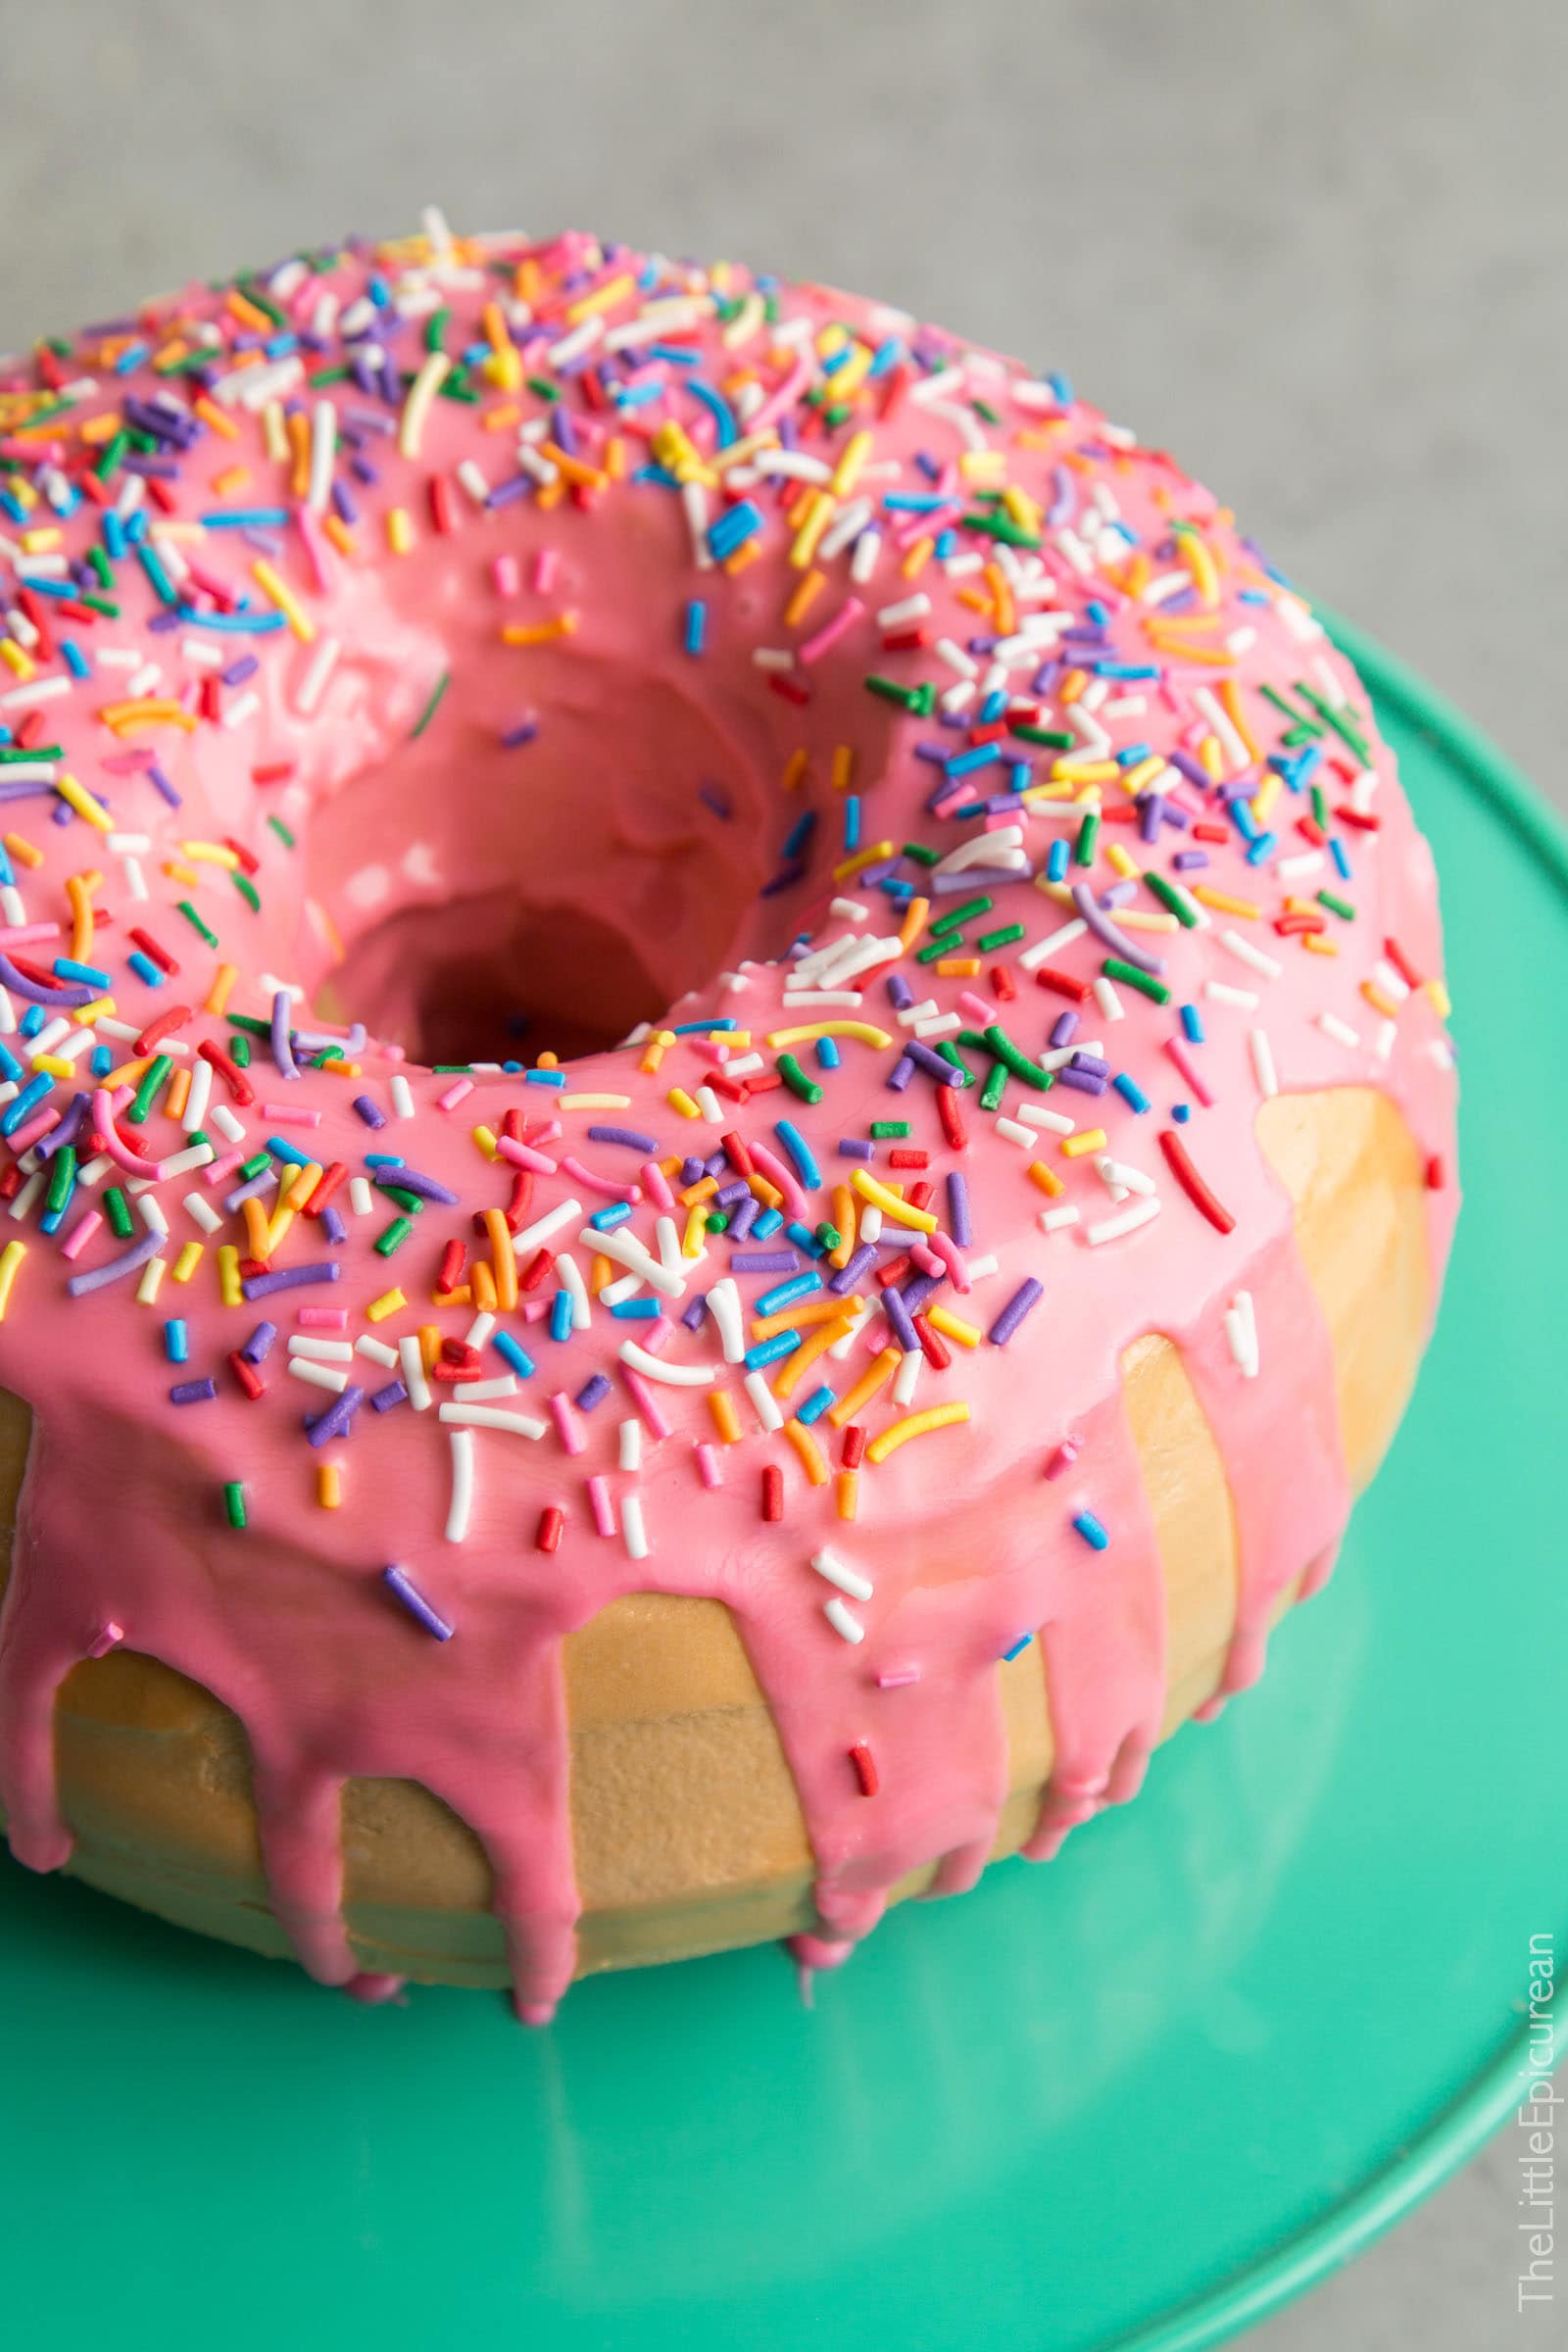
[(492, 978)]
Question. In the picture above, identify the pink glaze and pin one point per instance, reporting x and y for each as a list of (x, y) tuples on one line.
[(428, 867)]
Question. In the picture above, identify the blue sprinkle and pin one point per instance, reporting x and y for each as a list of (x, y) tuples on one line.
[(176, 1341), (799, 1152), (1337, 852), (144, 968), (1193, 1023), (1057, 862), (1130, 1091), (827, 1053), (768, 1352), (1018, 1647), (636, 1310), (506, 1347), (816, 1406), (1093, 1534), (560, 1315), (696, 626), (1181, 1112)]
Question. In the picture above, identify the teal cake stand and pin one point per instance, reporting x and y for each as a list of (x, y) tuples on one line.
[(1136, 2099)]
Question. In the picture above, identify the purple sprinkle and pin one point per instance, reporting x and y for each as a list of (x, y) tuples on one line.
[(515, 737), (259, 1346), (397, 1583), (1106, 931), (117, 1268), (856, 1146), (1087, 1082), (918, 1289), (370, 1112), (248, 1192), (693, 1170), (898, 1315), (849, 1274), (334, 1422), (745, 1218), (593, 1392), (332, 1225), (1186, 861), (1026, 1295), (765, 1261), (410, 1180), (901, 996), (924, 1057), (693, 1314), (958, 1210), (902, 1072), (193, 1392), (287, 1278), (1063, 1028), (384, 1398), (282, 1051), (632, 1137), (1093, 1063)]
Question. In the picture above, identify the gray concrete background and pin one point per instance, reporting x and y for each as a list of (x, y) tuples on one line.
[(1317, 250)]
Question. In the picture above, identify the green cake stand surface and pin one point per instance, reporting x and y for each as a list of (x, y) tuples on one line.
[(1136, 2099)]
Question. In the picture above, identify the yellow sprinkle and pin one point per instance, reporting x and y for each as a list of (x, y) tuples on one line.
[(10, 1258), (1381, 1003), (865, 1032), (691, 1241), (1194, 555), (1222, 904), (77, 796), (847, 1494), (916, 1425), (600, 1101), (873, 856), (210, 852), (788, 1376), (389, 1303), (820, 513), (12, 655), (1048, 1180), (52, 1066), (218, 993), (1318, 946), (1138, 779), (432, 374), (329, 1486), (21, 847), (152, 1280), (953, 1327), (726, 1421), (485, 1138), (602, 298), (1144, 918), (915, 561), (539, 632), (1124, 862), (189, 1259), (812, 1461), (1438, 996), (183, 874), (272, 587), (680, 1100), (847, 473), (920, 1220), (864, 1388), (1268, 793), (399, 530), (1073, 1147)]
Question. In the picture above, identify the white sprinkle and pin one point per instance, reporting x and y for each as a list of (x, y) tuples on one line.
[(1263, 1054), (535, 1235), (1341, 1031), (320, 1376), (323, 448), (631, 1527), (362, 1200), (1128, 1220), (653, 1367), (631, 1445), (635, 1256), (152, 1275), (906, 1377), (29, 1192), (1037, 1115), (842, 1621), (1393, 983), (1241, 1330), (322, 1351), (1052, 1221), (377, 1350), (462, 1480), (908, 608), (1383, 1039), (194, 1115), (571, 1281), (313, 685), (1044, 948), (414, 1380), (1105, 997), (724, 1306), (709, 1104), (402, 1096), (761, 1394), (479, 1332), (202, 1212), (1245, 951), (1016, 1132), (838, 1571), (488, 1416), (1126, 1179), (1220, 992)]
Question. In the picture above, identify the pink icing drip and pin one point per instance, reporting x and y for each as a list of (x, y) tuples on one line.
[(967, 1547)]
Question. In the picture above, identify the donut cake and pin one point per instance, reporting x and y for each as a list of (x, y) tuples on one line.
[(727, 1116)]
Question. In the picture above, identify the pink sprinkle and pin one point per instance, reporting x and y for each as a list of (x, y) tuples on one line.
[(504, 572), (574, 1167), (544, 570), (812, 647), (898, 1678), (943, 1246), (534, 1311), (975, 1006), (926, 1259), (322, 1318), (523, 1155), (285, 1115), (454, 1093), (647, 1404), (1064, 1459), (80, 1234), (567, 1422), (320, 563), (707, 1469), (33, 1130), (109, 1639), (22, 935), (127, 764), (657, 1335), (658, 1192), (1189, 1069), (777, 1173), (218, 1171), (603, 1507)]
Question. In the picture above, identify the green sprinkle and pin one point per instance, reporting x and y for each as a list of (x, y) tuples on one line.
[(253, 1167), (157, 1071), (247, 889), (1320, 808), (432, 707), (542, 387), (1272, 695), (829, 1236), (62, 1179), (889, 1131), (1343, 726), (1002, 526), (1053, 739), (995, 1085), (411, 1203), (946, 943), (239, 1051), (1088, 835), (435, 328), (892, 692), (988, 941), (1115, 967), (959, 916), (113, 451), (282, 831), (1003, 1046), (121, 1223), (983, 407), (950, 1053), (102, 605), (795, 1078), (235, 1503), (919, 852), (10, 752), (396, 1233), (98, 558), (1340, 907), (183, 907), (250, 1024), (1175, 902), (717, 1222)]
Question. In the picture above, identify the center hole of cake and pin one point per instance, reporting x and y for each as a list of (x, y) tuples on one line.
[(491, 978)]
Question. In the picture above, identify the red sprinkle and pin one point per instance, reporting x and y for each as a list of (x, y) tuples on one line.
[(234, 1077), (1004, 988), (1193, 1184), (864, 1763), (535, 1272), (450, 1272), (552, 1519), (912, 1159), (1061, 984), (951, 1117), (250, 1380), (853, 1445), (773, 1491), (164, 1026), (157, 955), (1437, 1173), (931, 1344), (1401, 963)]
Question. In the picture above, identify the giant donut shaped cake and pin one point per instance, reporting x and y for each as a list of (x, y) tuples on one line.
[(490, 1521)]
